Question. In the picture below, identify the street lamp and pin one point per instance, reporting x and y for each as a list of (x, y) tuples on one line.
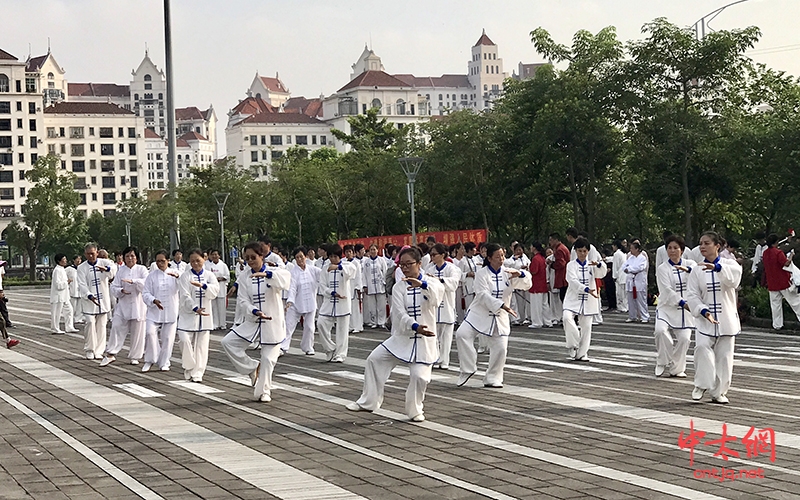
[(221, 199), (128, 218), (703, 22), (411, 166)]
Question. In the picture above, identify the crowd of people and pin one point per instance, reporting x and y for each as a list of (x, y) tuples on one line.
[(428, 296)]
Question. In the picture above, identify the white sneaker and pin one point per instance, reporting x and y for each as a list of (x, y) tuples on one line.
[(418, 418), (721, 399), (584, 358), (337, 359), (134, 361), (629, 320), (572, 352), (463, 378), (107, 360), (310, 353), (74, 330), (679, 375), (265, 398), (146, 367), (660, 369), (165, 368), (353, 406), (89, 355), (697, 393)]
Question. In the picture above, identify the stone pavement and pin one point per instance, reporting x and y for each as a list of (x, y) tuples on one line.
[(558, 429)]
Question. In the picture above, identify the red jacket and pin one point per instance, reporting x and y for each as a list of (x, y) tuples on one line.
[(538, 270), (561, 255), (777, 275)]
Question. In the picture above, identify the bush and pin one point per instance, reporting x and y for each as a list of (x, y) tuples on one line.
[(755, 302), (19, 281)]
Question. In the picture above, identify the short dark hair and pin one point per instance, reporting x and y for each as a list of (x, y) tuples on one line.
[(440, 248), (431, 239), (255, 246), (265, 240), (581, 243), (538, 246), (555, 236), (677, 239), (491, 248), (177, 250), (334, 249), (469, 246), (161, 252), (358, 246), (772, 239), (414, 251), (423, 248), (58, 257), (348, 247), (572, 231), (300, 249), (666, 234), (714, 237), (761, 235), (617, 243), (198, 252)]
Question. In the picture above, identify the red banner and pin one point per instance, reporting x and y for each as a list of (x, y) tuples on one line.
[(446, 237)]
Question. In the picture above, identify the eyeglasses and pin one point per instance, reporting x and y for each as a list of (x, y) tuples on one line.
[(250, 257), (405, 265)]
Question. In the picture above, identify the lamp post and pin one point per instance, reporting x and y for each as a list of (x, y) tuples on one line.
[(221, 198), (703, 22), (128, 218), (411, 166)]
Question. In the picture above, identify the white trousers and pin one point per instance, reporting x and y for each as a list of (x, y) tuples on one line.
[(483, 343), (637, 308), (325, 324), (194, 354), (380, 363), (95, 333), (235, 347), (356, 316), (622, 297), (776, 303), (556, 309), (713, 363), (445, 333), (154, 352), (523, 306), (578, 338), (57, 309), (77, 309), (375, 308), (219, 312), (292, 318), (468, 358), (669, 351), (539, 310), (120, 328)]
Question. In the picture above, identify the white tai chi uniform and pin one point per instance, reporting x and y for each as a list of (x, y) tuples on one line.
[(581, 278), (450, 276), (673, 292), (594, 256), (259, 294), (193, 328), (410, 308), (636, 285), (356, 305), (59, 301), (335, 311), (130, 312), (220, 271), (520, 302), (375, 301), (486, 317), (180, 267), (303, 299), (74, 294), (162, 287), (619, 279), (93, 284), (714, 291)]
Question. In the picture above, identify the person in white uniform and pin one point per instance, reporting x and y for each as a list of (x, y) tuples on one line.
[(374, 268), (412, 342), (334, 285), (712, 298), (74, 294), (238, 314), (93, 275), (488, 316), (635, 269), (520, 299), (356, 288), (220, 270), (130, 312), (450, 276), (176, 263), (271, 258), (259, 291), (672, 312), (620, 278), (59, 297), (302, 302), (196, 289), (582, 299), (594, 256), (160, 295)]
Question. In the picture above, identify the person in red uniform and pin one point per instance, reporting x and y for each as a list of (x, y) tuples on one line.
[(561, 254), (538, 291), (778, 274)]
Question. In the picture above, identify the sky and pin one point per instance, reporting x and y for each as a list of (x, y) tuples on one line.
[(219, 45)]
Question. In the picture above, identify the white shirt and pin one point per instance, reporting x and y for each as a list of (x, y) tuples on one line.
[(616, 271), (581, 277), (468, 265), (757, 257), (374, 275), (450, 276), (303, 288), (93, 284), (262, 294), (637, 273), (673, 288), (410, 307), (336, 282), (59, 286), (661, 256), (191, 297), (180, 267), (493, 289), (164, 287), (130, 305), (72, 274), (715, 291), (221, 272)]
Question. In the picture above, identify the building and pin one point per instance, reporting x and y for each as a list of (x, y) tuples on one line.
[(485, 73), (49, 76), (526, 71), (270, 89), (203, 123), (147, 92), (100, 92)]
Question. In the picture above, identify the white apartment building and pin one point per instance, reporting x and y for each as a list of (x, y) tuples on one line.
[(203, 123), (270, 89), (148, 92), (485, 73)]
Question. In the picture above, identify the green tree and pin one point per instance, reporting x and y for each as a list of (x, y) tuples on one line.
[(49, 210)]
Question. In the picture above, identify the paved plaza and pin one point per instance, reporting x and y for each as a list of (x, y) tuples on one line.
[(558, 429)]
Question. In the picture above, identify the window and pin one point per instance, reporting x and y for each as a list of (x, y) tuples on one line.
[(109, 198), (21, 142), (159, 175), (263, 154), (63, 164), (22, 175), (32, 108), (301, 140), (19, 122), (34, 141), (376, 103), (75, 132), (107, 165), (32, 126), (91, 148), (5, 107), (30, 84), (21, 158), (485, 87), (18, 87), (131, 132), (254, 156), (134, 182), (161, 97), (7, 194), (122, 165), (288, 139), (108, 182), (94, 196), (83, 197), (132, 165), (121, 149), (4, 87), (51, 149), (276, 155), (313, 139), (22, 192), (107, 149), (323, 139), (401, 107), (91, 130), (78, 166), (80, 183), (276, 140), (92, 164), (440, 97), (34, 158), (263, 140), (124, 196), (76, 150), (106, 132), (6, 159), (5, 141), (254, 140), (5, 124), (19, 105), (148, 78), (6, 175), (148, 86)]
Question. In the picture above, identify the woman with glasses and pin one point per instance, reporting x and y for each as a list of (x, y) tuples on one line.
[(196, 289), (488, 316), (449, 275), (259, 292), (413, 339)]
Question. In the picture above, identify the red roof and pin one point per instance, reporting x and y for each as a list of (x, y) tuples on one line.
[(371, 78), (98, 90), (273, 84), (253, 106), (190, 113), (6, 55), (151, 134), (35, 63), (86, 108), (484, 40), (435, 81), (192, 136), (308, 107), (281, 118), (181, 143)]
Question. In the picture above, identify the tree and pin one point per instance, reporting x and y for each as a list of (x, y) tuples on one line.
[(49, 210), (369, 132)]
